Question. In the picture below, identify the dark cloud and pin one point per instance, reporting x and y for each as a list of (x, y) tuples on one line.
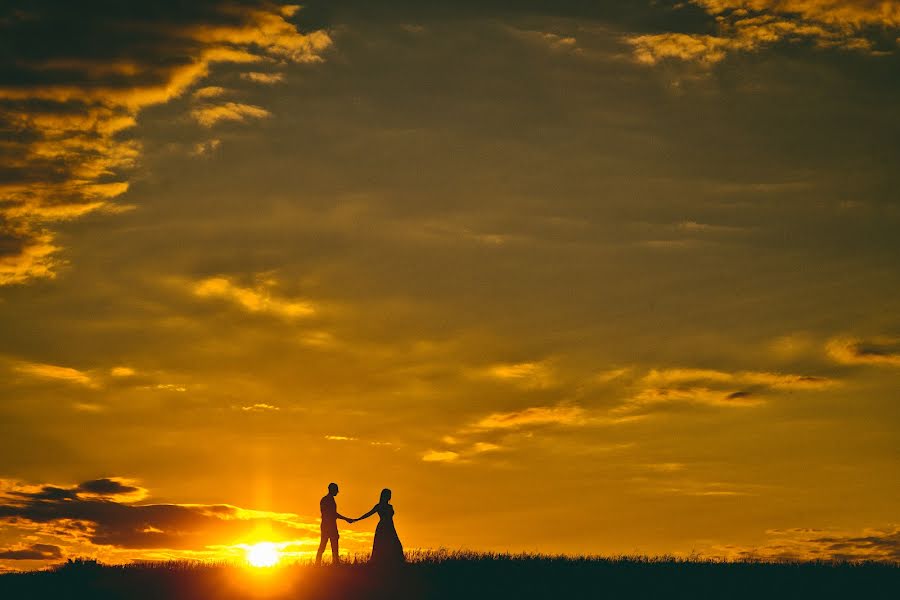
[(33, 552), (49, 493), (884, 545), (881, 544), (107, 487), (86, 511)]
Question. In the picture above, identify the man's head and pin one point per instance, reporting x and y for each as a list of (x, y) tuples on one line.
[(333, 489)]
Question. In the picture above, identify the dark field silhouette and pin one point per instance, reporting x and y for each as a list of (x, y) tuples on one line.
[(465, 576)]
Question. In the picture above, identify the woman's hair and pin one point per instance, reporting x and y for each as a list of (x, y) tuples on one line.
[(385, 495)]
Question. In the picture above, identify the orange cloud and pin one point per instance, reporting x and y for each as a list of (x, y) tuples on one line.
[(207, 147), (482, 447), (65, 108), (210, 114), (651, 397), (264, 78), (27, 254), (524, 374), (854, 351), (844, 13), (211, 91), (763, 378), (661, 388), (538, 415), (255, 300), (708, 49), (440, 456), (462, 455), (262, 407), (57, 372), (751, 25)]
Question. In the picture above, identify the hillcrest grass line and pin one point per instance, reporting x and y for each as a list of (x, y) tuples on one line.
[(464, 576)]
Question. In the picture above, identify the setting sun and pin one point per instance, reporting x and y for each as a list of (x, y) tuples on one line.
[(263, 554)]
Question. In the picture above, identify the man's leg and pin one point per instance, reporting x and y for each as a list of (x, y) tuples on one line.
[(321, 548), (335, 556)]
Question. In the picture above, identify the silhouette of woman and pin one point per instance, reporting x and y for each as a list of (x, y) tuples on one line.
[(386, 548)]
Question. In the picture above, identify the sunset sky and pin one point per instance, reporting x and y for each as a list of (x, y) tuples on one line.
[(611, 276)]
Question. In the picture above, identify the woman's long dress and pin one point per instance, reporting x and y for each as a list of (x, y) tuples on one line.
[(386, 548)]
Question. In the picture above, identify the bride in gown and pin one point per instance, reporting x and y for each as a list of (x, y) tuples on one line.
[(386, 548)]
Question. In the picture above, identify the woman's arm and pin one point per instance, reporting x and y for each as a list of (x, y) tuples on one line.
[(368, 514)]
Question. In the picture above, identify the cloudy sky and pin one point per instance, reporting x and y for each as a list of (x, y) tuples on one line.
[(571, 276)]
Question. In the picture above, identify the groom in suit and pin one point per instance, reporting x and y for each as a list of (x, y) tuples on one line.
[(330, 515)]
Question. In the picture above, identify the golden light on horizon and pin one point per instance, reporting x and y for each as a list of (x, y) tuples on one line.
[(263, 554)]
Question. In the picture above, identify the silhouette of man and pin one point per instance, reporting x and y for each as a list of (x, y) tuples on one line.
[(330, 515)]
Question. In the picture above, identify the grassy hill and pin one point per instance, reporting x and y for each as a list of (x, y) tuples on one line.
[(463, 576)]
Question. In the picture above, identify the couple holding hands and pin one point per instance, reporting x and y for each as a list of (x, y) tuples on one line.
[(386, 547)]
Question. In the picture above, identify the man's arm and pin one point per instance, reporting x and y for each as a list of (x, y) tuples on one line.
[(340, 516)]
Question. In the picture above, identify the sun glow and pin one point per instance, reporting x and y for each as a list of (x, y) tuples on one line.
[(263, 554)]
